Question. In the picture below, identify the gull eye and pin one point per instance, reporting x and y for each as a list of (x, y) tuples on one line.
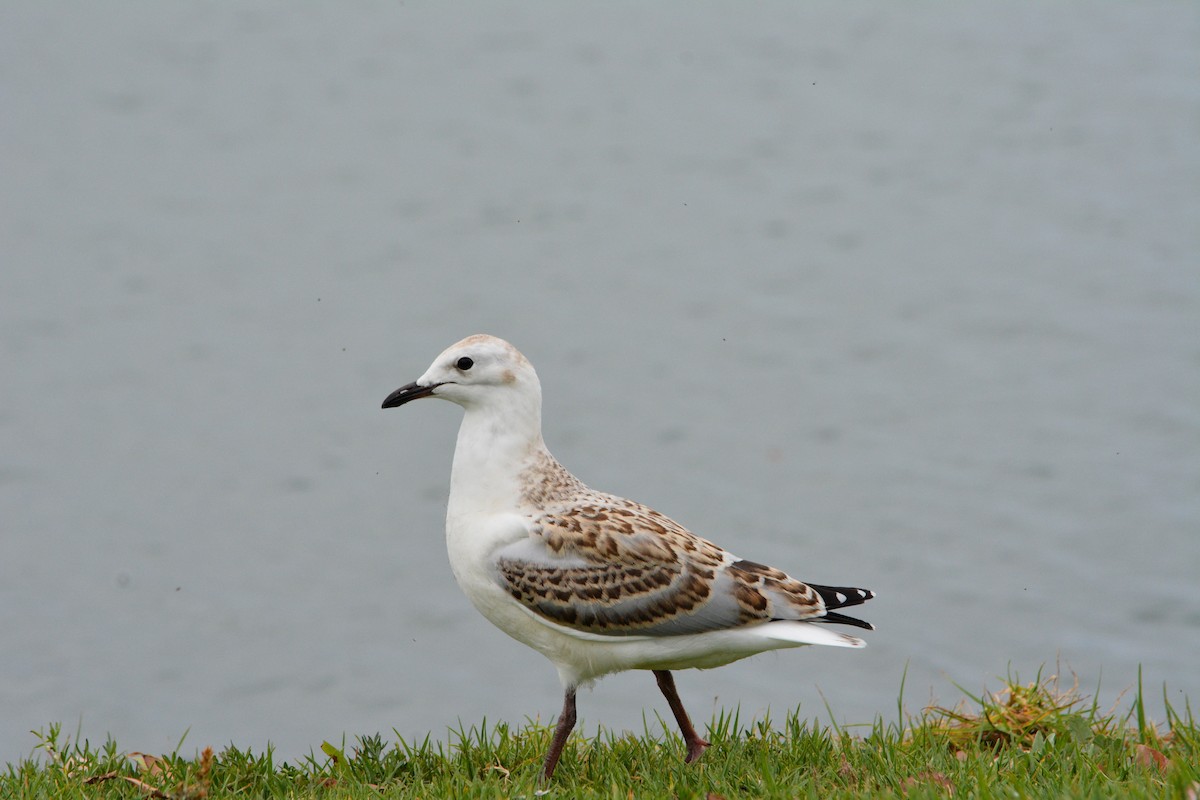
[(464, 363)]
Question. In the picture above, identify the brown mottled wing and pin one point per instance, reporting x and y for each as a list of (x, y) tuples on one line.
[(617, 568)]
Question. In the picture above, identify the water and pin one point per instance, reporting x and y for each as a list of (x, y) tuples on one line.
[(906, 300)]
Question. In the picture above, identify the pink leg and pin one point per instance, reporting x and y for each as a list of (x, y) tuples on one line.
[(566, 721), (695, 745)]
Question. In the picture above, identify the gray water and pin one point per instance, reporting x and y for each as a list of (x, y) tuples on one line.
[(899, 298)]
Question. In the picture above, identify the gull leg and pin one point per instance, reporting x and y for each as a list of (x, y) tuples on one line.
[(566, 721), (695, 745)]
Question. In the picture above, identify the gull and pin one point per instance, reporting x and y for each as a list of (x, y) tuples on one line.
[(594, 582)]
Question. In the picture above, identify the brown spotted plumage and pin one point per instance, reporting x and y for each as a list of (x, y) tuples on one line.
[(610, 566)]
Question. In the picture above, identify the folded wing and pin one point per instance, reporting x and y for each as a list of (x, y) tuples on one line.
[(613, 567)]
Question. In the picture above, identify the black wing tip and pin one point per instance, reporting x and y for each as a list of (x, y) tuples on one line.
[(842, 596), (834, 618)]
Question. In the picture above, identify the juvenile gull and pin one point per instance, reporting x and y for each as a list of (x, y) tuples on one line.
[(594, 582)]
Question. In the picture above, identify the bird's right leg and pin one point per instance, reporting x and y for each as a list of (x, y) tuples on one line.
[(566, 721)]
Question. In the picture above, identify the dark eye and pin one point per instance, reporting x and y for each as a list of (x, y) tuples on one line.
[(464, 363)]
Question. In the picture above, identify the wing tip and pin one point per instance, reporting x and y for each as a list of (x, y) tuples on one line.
[(841, 596), (834, 618)]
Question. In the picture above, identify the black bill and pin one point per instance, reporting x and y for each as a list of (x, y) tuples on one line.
[(407, 393)]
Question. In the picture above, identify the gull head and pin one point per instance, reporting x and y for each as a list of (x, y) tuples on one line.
[(479, 371)]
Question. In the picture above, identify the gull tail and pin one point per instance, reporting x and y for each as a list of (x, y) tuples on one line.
[(799, 632)]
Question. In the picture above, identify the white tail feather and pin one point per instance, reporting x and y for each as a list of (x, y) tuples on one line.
[(808, 633)]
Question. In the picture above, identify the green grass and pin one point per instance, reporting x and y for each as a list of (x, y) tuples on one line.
[(1028, 740)]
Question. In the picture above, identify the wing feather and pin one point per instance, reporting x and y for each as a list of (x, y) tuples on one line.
[(613, 567)]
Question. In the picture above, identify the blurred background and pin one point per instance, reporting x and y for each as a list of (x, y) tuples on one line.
[(898, 298)]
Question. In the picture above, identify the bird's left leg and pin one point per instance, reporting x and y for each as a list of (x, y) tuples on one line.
[(695, 745)]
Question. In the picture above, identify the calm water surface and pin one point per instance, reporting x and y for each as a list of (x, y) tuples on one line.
[(907, 301)]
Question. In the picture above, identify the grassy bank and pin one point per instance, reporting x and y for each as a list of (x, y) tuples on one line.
[(1028, 740)]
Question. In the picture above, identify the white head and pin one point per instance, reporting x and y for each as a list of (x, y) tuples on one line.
[(481, 371)]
